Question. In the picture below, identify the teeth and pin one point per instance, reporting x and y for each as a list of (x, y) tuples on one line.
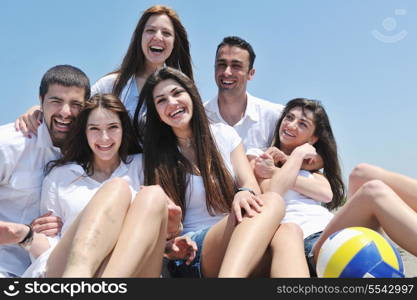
[(157, 48), (177, 112), (227, 81), (287, 133), (62, 124), (104, 147)]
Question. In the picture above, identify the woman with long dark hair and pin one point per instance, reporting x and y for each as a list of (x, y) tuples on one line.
[(303, 131), (95, 188), (203, 168), (159, 39)]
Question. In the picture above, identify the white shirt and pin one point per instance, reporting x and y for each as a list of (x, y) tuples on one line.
[(197, 216), (21, 174), (308, 213), (257, 126), (129, 95), (66, 190)]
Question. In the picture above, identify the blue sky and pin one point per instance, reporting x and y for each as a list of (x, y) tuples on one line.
[(358, 57)]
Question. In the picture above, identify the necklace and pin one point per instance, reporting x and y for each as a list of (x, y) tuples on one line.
[(187, 141)]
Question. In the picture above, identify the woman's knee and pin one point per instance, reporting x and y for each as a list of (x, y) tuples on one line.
[(287, 234), (273, 203), (373, 191), (152, 199), (362, 173)]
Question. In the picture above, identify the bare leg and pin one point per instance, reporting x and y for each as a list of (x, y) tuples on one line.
[(251, 238), (93, 234), (405, 187), (375, 205), (287, 249), (142, 238)]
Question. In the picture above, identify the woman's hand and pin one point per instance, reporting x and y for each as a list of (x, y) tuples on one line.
[(264, 166), (29, 122), (306, 151), (174, 226), (277, 155), (47, 224), (246, 201), (181, 247)]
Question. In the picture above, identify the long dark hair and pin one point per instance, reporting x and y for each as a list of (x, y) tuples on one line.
[(165, 165), (325, 146), (134, 60), (76, 148)]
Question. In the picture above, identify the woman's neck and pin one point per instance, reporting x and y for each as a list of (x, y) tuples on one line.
[(286, 150), (103, 169)]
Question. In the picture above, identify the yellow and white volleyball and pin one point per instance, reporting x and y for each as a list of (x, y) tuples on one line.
[(357, 252)]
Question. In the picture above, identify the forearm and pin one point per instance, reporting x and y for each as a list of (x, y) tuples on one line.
[(12, 233), (315, 188), (284, 178)]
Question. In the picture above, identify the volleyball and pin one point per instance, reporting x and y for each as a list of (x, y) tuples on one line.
[(357, 252)]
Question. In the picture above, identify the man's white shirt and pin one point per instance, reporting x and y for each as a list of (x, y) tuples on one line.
[(21, 175), (257, 126)]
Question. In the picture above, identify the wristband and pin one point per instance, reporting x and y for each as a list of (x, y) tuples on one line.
[(245, 189), (27, 240)]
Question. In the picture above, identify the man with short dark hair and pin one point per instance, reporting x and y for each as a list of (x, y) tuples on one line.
[(62, 93), (254, 119)]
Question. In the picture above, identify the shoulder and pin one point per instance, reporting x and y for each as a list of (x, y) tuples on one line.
[(265, 106), (64, 174), (104, 84), (225, 135), (12, 142)]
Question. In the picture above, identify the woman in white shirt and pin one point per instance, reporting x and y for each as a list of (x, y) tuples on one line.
[(159, 39), (388, 203), (95, 189), (203, 169)]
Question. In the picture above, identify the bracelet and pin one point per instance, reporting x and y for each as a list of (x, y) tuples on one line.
[(27, 240), (246, 189)]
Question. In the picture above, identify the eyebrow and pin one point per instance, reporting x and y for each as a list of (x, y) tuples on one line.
[(173, 90), (304, 118), (232, 61), (109, 124)]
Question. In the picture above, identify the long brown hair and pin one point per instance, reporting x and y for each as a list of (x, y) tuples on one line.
[(76, 148), (134, 60), (165, 165), (325, 146)]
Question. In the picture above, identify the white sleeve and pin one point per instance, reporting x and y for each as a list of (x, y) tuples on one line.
[(254, 152), (104, 85), (49, 197)]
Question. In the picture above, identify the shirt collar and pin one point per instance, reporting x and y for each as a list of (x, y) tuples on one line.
[(120, 170), (250, 112)]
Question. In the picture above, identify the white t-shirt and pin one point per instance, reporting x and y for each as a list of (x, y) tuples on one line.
[(22, 162), (197, 216), (66, 190), (308, 213), (257, 126), (129, 95)]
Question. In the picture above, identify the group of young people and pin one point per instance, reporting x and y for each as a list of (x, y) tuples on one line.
[(143, 172)]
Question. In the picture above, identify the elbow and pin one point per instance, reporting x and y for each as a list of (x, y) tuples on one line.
[(327, 196)]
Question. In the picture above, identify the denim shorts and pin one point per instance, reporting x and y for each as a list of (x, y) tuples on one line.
[(178, 268), (309, 243)]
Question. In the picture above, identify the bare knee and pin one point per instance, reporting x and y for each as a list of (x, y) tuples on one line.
[(373, 191), (152, 199), (274, 204), (362, 173), (287, 233)]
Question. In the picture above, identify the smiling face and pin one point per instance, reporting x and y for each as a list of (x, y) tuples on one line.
[(60, 106), (104, 134), (174, 106), (232, 69), (158, 39), (297, 128)]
